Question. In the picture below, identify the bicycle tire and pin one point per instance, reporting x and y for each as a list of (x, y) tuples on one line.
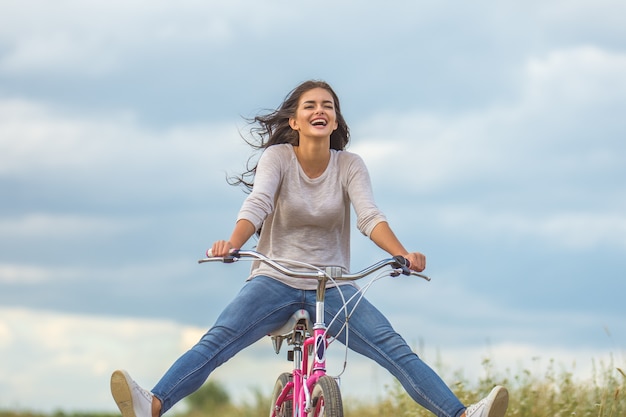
[(326, 398), (286, 408)]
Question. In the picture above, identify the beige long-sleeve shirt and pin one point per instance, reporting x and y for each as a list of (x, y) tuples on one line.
[(304, 219)]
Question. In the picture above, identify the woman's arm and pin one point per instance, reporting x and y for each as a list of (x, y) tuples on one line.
[(241, 233), (384, 237), (370, 220), (259, 203)]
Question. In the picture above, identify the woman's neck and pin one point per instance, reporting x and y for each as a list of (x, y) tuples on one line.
[(313, 157)]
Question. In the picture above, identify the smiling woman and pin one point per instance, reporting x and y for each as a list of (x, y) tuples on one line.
[(301, 193), (315, 120), (281, 125), (509, 146)]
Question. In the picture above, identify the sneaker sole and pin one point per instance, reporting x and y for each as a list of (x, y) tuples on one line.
[(121, 393), (499, 404)]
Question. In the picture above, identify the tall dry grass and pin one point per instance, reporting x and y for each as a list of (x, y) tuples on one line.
[(555, 392)]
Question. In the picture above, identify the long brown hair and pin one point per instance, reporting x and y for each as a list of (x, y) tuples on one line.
[(273, 128)]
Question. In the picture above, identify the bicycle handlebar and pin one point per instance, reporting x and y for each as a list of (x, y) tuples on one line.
[(399, 264)]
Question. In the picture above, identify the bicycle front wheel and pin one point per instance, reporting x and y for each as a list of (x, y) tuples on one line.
[(326, 398), (285, 409)]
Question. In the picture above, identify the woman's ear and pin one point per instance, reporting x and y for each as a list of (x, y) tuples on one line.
[(293, 123)]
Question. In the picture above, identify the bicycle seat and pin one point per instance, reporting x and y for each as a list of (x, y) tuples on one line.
[(288, 327)]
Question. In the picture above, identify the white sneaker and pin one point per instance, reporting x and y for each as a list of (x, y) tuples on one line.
[(493, 405), (132, 400)]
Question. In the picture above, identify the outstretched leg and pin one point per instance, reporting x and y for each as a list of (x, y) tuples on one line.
[(262, 305), (372, 335)]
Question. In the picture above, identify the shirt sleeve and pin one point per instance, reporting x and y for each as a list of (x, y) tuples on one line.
[(260, 202), (359, 187)]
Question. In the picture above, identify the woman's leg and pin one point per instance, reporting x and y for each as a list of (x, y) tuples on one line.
[(372, 335), (262, 305)]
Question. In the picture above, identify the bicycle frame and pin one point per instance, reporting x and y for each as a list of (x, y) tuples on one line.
[(295, 395), (304, 377)]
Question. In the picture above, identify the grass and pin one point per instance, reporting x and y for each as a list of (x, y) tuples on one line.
[(554, 393)]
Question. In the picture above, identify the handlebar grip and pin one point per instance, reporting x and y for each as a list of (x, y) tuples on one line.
[(403, 263), (232, 257)]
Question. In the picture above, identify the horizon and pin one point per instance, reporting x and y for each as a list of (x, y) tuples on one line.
[(493, 133)]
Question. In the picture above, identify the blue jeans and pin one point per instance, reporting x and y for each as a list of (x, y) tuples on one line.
[(264, 304)]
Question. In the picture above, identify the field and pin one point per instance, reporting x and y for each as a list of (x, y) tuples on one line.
[(555, 393)]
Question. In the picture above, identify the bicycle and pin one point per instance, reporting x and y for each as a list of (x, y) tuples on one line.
[(307, 390)]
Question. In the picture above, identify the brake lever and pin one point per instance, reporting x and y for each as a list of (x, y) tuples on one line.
[(402, 264), (229, 259), (233, 257)]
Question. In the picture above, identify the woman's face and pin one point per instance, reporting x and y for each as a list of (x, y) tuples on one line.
[(315, 115)]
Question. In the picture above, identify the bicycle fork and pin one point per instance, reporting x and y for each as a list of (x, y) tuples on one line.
[(318, 344), (304, 377)]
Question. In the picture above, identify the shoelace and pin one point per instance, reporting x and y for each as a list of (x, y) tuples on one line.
[(474, 407), (145, 393)]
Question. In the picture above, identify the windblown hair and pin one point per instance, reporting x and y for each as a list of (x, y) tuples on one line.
[(273, 128)]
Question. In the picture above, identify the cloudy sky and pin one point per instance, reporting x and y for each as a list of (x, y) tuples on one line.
[(494, 133)]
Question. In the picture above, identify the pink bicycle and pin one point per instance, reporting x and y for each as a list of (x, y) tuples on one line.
[(308, 390)]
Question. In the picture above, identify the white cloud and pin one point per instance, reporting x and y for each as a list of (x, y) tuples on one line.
[(583, 16), (572, 230), (59, 52), (25, 274), (28, 274), (73, 37), (546, 149), (507, 359), (112, 153), (61, 361), (94, 39), (580, 76), (558, 96), (54, 356), (425, 151), (40, 225)]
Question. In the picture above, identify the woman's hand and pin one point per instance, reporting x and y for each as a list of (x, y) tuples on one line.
[(242, 232), (221, 248), (417, 260), (384, 237)]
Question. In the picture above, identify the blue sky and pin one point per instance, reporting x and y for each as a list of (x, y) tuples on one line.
[(494, 133)]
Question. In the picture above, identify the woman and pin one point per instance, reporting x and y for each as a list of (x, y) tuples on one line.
[(300, 193)]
